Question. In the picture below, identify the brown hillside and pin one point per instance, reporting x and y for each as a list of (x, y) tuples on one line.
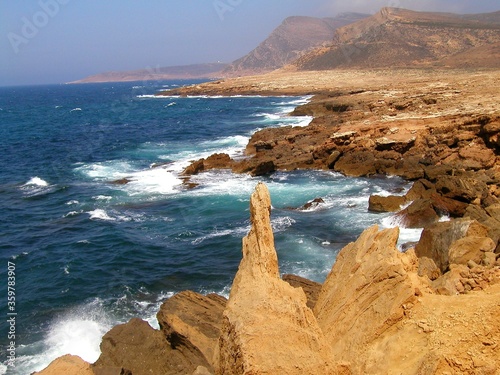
[(288, 41), (401, 38)]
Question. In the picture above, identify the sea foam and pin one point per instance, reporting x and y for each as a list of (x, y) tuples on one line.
[(36, 181)]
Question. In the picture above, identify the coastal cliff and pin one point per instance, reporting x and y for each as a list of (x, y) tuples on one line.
[(374, 314), (432, 309)]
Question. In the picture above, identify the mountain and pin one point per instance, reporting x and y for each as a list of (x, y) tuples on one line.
[(288, 41), (209, 70), (400, 38)]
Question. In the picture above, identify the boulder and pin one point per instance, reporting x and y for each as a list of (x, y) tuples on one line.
[(332, 159), (263, 168), (143, 350), (420, 189), (448, 206), (470, 248), (312, 204), (476, 156), (194, 168), (356, 164), (449, 284), (399, 145), (427, 267), (419, 214), (263, 145), (464, 189), (67, 364), (392, 203), (191, 322), (218, 161), (436, 239), (432, 172), (482, 216), (365, 294), (267, 327)]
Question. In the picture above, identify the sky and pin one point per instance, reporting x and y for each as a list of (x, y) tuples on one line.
[(57, 41)]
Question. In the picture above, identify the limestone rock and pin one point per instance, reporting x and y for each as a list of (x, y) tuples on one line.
[(476, 156), (332, 159), (398, 145), (215, 161), (190, 320), (267, 327), (487, 218), (312, 204), (310, 288), (391, 203), (143, 350), (364, 295), (356, 164), (470, 248), (448, 206), (427, 267), (436, 239), (463, 189), (67, 364), (194, 168), (418, 214), (421, 188)]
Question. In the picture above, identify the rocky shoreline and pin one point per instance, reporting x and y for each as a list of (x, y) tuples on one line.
[(432, 309)]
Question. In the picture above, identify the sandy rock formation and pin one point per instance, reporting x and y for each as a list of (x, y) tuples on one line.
[(67, 364), (267, 327), (367, 291), (141, 349), (191, 322), (443, 239), (310, 288), (390, 203), (382, 318)]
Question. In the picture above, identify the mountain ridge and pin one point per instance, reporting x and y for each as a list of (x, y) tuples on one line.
[(396, 37), (293, 37)]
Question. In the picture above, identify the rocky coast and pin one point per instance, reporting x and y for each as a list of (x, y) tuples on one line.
[(432, 309)]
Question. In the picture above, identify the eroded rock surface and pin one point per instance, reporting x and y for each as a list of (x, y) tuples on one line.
[(365, 294), (138, 347), (191, 322), (67, 364), (267, 327)]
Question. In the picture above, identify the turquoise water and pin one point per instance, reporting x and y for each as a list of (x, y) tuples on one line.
[(89, 254)]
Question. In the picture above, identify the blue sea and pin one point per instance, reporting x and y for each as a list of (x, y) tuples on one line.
[(87, 254)]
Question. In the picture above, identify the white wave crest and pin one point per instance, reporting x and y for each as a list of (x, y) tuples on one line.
[(36, 181), (153, 181), (78, 332), (100, 214), (280, 224)]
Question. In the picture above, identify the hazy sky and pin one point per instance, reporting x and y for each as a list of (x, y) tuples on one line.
[(55, 41)]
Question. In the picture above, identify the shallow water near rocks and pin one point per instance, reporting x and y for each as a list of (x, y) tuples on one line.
[(90, 254)]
